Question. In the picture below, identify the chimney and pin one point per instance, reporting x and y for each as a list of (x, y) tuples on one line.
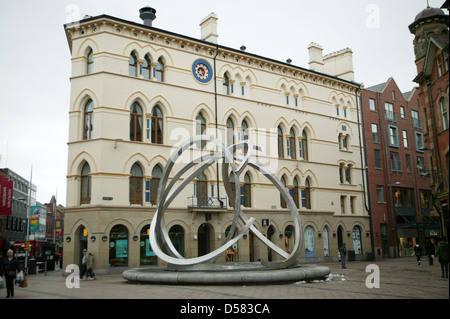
[(208, 28), (315, 57), (147, 15), (340, 64)]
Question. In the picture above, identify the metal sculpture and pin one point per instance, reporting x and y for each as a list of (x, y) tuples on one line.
[(159, 237)]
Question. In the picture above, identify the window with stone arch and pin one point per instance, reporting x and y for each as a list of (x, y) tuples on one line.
[(88, 120), (133, 65), (146, 68), (157, 125), (200, 128), (159, 70), (154, 182), (86, 183), (136, 183), (90, 62), (136, 118)]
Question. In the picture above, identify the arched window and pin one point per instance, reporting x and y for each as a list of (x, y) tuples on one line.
[(309, 242), (201, 190), (201, 127), (444, 113), (159, 71), (86, 182), (292, 141), (136, 179), (136, 123), (118, 243), (230, 132), (132, 65), (245, 134), (280, 143), (146, 68), (282, 201), (304, 146), (294, 194), (176, 235), (226, 84), (88, 120), (90, 62), (154, 182), (247, 191), (306, 195), (157, 125), (326, 243), (147, 256)]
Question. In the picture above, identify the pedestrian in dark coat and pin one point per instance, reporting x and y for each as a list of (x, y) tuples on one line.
[(442, 253), (429, 249), (10, 269), (343, 253), (418, 251)]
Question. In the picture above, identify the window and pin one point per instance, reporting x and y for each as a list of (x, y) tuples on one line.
[(402, 112), (408, 163), (393, 95), (291, 144), (159, 71), (90, 62), (306, 195), (390, 114), (280, 143), (375, 137), (201, 189), (244, 126), (415, 119), (157, 125), (200, 127), (372, 105), (86, 183), (377, 156), (446, 60), (405, 139), (230, 132), (304, 146), (380, 194), (348, 174), (403, 197), (146, 68), (294, 193), (393, 135), (247, 192), (153, 184), (343, 204), (353, 204), (136, 123), (226, 85), (136, 179), (132, 65), (282, 201), (396, 164), (88, 120), (439, 65), (420, 146), (444, 113)]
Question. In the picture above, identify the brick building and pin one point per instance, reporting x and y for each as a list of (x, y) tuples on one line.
[(397, 160)]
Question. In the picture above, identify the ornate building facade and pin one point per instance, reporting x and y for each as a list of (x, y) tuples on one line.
[(137, 91)]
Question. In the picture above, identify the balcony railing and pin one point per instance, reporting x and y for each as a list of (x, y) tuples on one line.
[(391, 116), (208, 202)]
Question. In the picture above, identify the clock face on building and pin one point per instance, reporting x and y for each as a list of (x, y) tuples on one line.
[(202, 71)]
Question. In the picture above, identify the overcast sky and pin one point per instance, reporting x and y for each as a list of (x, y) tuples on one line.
[(35, 61)]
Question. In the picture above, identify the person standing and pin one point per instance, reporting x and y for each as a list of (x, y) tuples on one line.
[(430, 251), (343, 252), (90, 265), (442, 253), (418, 252), (83, 264), (10, 268)]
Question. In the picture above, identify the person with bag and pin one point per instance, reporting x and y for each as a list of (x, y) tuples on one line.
[(90, 265), (10, 269)]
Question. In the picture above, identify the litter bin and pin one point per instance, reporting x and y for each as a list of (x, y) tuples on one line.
[(351, 255), (32, 266)]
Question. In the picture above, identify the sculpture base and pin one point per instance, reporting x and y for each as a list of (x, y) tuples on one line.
[(229, 273)]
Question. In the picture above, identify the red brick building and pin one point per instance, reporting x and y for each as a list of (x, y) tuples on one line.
[(431, 42), (397, 160)]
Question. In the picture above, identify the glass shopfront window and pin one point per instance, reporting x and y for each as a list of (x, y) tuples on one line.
[(118, 246), (147, 256)]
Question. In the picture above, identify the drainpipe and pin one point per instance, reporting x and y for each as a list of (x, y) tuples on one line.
[(364, 169), (217, 130)]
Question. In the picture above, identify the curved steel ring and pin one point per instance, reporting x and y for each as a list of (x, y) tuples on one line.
[(159, 237)]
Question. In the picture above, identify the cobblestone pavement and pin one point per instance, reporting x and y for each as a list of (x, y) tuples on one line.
[(399, 278)]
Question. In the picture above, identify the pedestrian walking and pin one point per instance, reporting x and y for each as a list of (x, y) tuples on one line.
[(90, 266), (418, 252), (430, 251), (10, 268), (442, 253), (83, 264), (343, 253)]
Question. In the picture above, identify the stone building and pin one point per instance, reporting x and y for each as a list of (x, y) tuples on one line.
[(138, 91)]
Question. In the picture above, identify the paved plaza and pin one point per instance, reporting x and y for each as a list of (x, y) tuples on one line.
[(399, 278)]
